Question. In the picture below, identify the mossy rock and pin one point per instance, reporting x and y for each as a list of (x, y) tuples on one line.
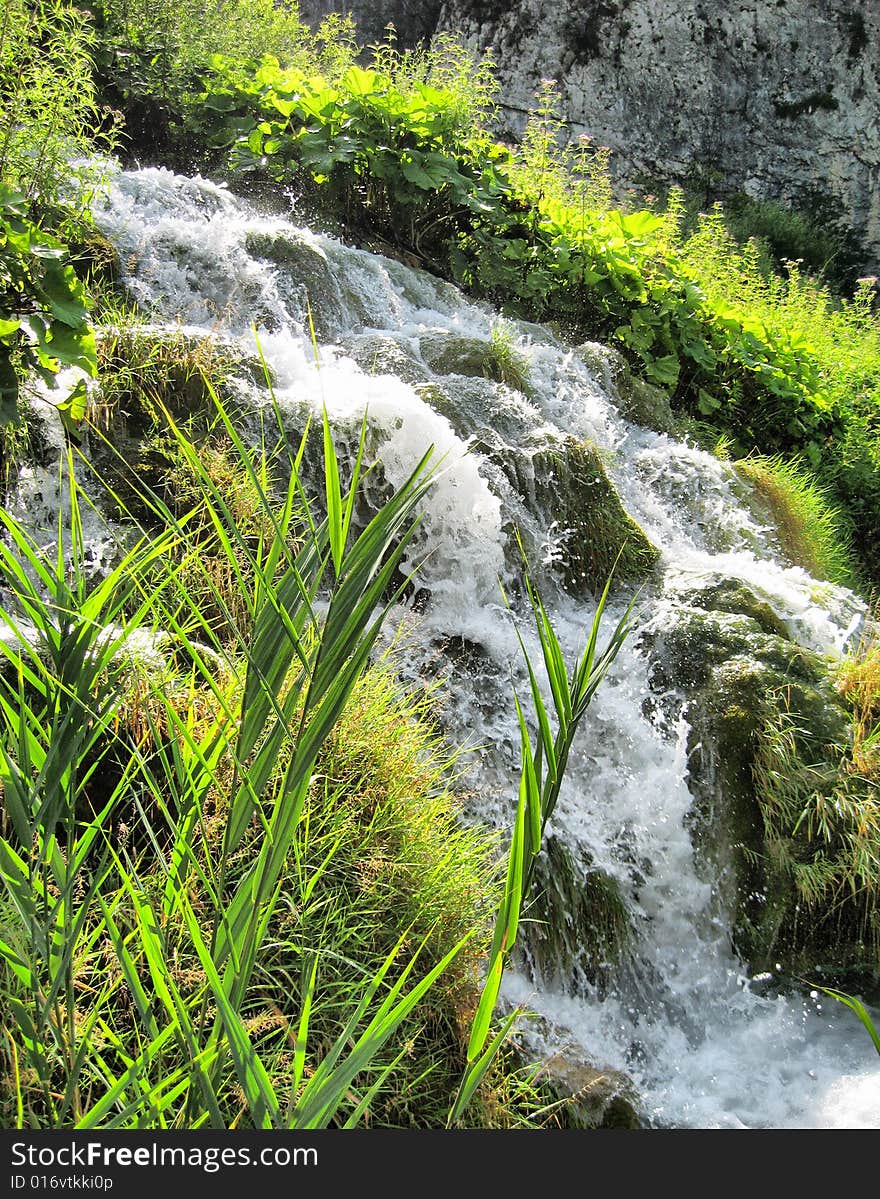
[(638, 401), (498, 418), (592, 1098), (579, 926), (573, 485), (313, 284), (144, 370), (743, 675), (473, 357), (566, 485), (729, 595), (383, 354), (449, 354)]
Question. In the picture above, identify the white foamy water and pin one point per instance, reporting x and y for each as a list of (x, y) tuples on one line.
[(705, 1045)]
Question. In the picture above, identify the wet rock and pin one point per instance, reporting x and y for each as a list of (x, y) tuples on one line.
[(600, 535), (579, 925), (744, 678), (638, 401), (383, 354), (307, 279), (594, 1098)]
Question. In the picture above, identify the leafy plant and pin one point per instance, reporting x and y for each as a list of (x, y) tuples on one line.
[(855, 1005), (43, 310), (50, 123)]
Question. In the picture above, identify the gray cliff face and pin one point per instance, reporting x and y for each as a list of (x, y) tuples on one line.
[(777, 98), (413, 21)]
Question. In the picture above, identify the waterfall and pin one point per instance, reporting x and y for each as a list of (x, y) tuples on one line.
[(705, 1044)]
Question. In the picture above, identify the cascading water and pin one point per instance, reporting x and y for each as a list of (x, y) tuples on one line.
[(705, 1045)]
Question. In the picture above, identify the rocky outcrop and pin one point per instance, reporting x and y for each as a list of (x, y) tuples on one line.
[(767, 750), (779, 99)]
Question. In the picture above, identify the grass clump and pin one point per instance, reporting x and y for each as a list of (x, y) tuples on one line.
[(504, 362), (812, 531), (382, 832), (145, 371), (136, 949), (858, 681), (821, 820)]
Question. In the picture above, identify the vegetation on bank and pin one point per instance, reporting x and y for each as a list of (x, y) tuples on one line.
[(812, 531)]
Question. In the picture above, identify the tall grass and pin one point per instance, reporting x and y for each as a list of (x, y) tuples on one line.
[(79, 887), (858, 680), (235, 892), (812, 530)]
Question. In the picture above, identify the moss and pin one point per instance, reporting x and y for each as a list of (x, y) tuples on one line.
[(601, 536), (638, 401), (817, 100), (578, 923)]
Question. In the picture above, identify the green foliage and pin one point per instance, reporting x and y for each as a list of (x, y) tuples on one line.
[(49, 122), (400, 151), (151, 57), (246, 742), (49, 118), (43, 310), (237, 888)]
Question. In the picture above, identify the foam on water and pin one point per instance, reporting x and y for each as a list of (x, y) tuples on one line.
[(706, 1046)]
